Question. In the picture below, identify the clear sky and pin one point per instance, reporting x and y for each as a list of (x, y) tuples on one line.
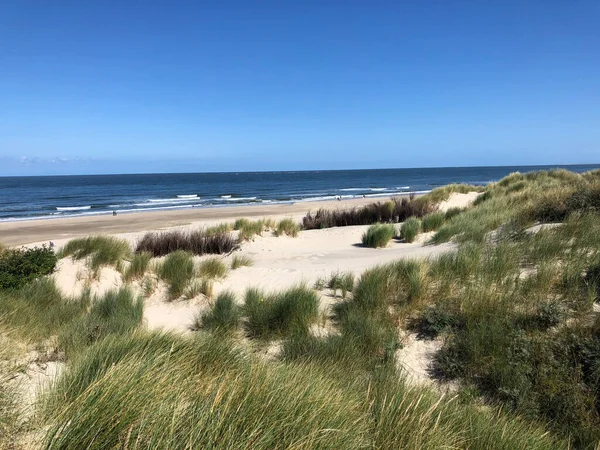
[(169, 86)]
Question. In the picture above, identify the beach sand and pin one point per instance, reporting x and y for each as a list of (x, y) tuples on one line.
[(44, 230)]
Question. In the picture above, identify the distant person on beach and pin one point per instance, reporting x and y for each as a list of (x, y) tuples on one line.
[(114, 212)]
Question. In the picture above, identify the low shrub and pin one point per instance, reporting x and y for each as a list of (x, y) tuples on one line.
[(433, 221), (20, 266), (287, 227), (197, 242), (223, 316), (410, 229), (177, 270), (378, 235), (290, 311), (241, 261)]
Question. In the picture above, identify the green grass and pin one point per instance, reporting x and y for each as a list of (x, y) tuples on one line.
[(378, 235), (224, 316), (273, 315), (100, 251), (212, 268), (177, 270), (20, 266), (410, 229), (287, 227), (220, 228), (344, 282), (248, 229), (241, 261), (117, 312), (433, 221), (39, 310), (138, 266), (218, 401)]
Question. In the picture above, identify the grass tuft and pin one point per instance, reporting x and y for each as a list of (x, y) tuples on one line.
[(378, 235), (224, 316), (138, 266), (433, 221), (241, 261), (290, 311), (288, 227), (410, 229), (100, 251), (176, 270)]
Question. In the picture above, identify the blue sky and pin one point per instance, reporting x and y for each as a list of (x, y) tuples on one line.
[(123, 86)]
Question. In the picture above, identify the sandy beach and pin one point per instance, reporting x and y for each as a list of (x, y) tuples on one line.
[(34, 231)]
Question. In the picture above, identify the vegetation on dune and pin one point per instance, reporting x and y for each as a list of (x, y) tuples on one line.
[(393, 211), (138, 266), (198, 242), (197, 287), (20, 266), (212, 268), (224, 315), (99, 250), (344, 282), (288, 227), (410, 229), (241, 261), (433, 221), (219, 229), (273, 315), (117, 312), (248, 229), (177, 270), (39, 310), (378, 235)]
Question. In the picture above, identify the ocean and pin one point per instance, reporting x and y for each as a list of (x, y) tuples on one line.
[(26, 198)]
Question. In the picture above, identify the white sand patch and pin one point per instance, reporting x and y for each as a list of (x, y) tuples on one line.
[(281, 262), (415, 358), (458, 200), (73, 276)]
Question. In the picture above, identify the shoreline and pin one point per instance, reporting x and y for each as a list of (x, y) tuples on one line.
[(25, 232)]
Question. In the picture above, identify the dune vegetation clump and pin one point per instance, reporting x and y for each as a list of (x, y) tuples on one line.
[(378, 235), (138, 266), (241, 261), (177, 270), (272, 315), (224, 315), (99, 250), (288, 227), (410, 229), (433, 221), (198, 242), (212, 268)]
